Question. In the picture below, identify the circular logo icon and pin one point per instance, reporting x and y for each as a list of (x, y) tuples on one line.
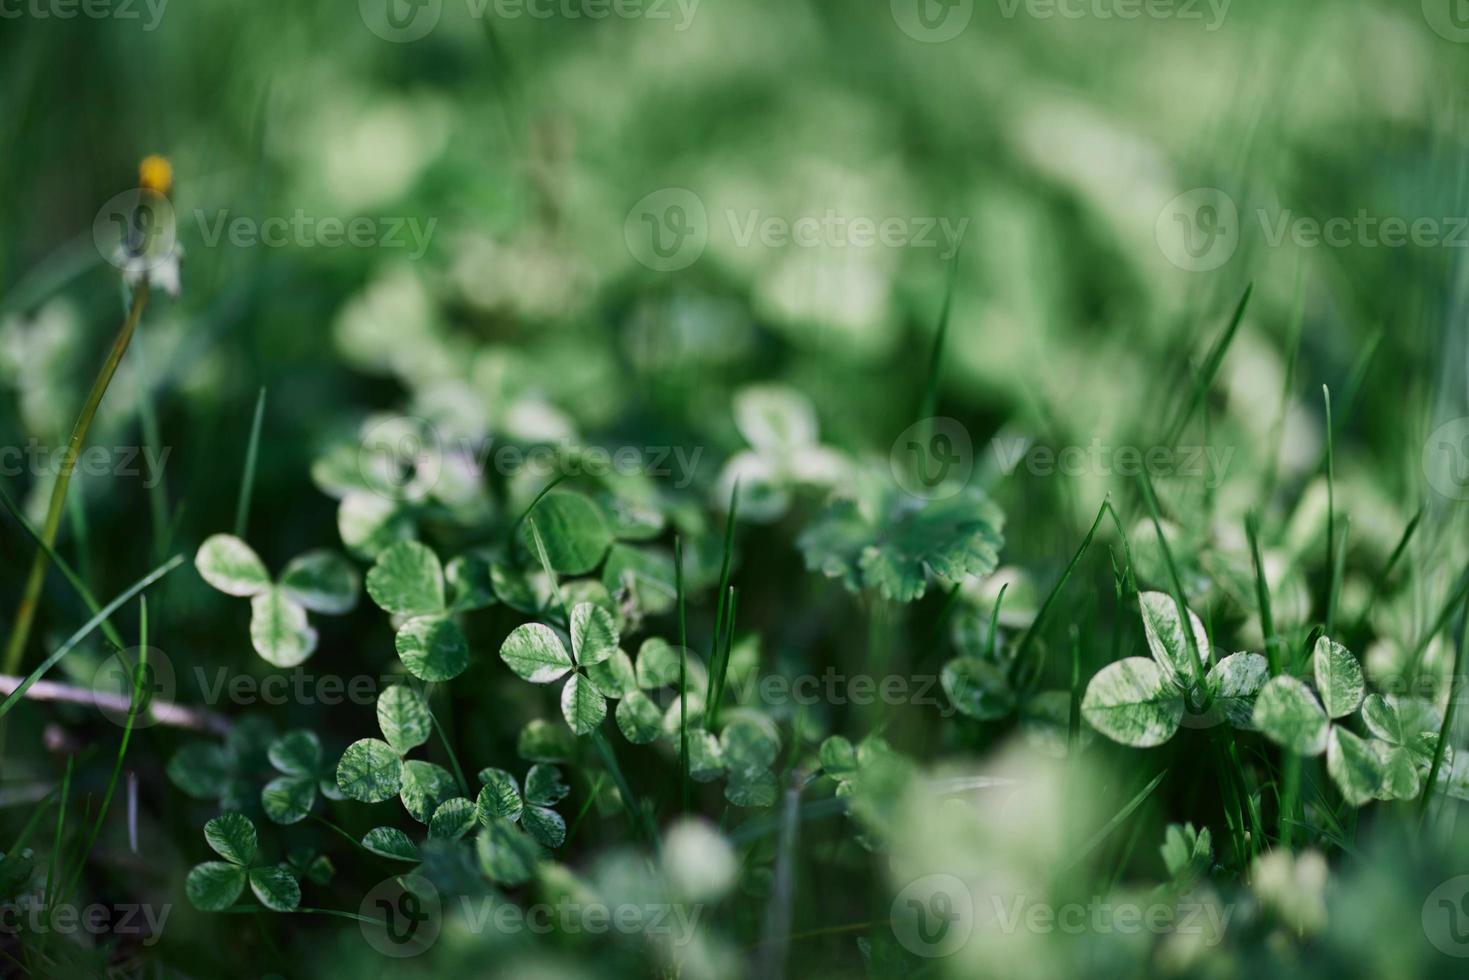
[(401, 458), (1446, 459), (932, 21), (934, 915), (1446, 917), (136, 229), (667, 230), (1449, 19), (128, 682), (1199, 229), (401, 916), (400, 21), (933, 458)]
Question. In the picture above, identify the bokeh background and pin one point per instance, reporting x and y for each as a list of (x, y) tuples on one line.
[(1119, 181)]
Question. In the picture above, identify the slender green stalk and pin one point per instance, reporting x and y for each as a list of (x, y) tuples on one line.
[(1262, 594), (1196, 658), (67, 571), (1210, 368), (1034, 628), (635, 812), (1455, 680), (139, 672), (1338, 569), (1330, 488), (683, 676), (247, 480), (26, 612), (526, 513), (86, 631), (995, 621), (1360, 631), (716, 675)]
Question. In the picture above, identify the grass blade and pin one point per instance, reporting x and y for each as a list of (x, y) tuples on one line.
[(247, 481)]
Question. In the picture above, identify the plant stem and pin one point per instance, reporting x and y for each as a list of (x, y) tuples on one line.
[(25, 613)]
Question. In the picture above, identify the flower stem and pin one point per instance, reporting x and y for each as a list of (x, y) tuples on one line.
[(26, 611)]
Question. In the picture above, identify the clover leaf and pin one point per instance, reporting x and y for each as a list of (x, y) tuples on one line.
[(536, 653), (227, 773), (214, 885), (407, 582), (289, 797), (502, 799), (894, 543), (779, 423), (319, 581), (372, 770), (1141, 702)]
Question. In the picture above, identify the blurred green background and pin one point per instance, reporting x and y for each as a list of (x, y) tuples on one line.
[(516, 172)]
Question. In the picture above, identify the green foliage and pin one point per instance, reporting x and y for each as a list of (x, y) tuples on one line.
[(215, 885)]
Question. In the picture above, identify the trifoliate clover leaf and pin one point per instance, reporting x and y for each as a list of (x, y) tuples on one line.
[(279, 629), (1288, 713), (231, 566), (1338, 678), (404, 717), (425, 786), (638, 718), (322, 581), (507, 855), (593, 634), (215, 885), (407, 580), (288, 798), (978, 688), (536, 653), (390, 842), (370, 771), (1405, 756), (276, 888), (582, 705), (572, 530), (1354, 766), (306, 863), (1167, 641), (232, 836), (615, 677), (453, 819), (895, 543), (780, 425), (1187, 853), (1132, 701), (229, 772), (500, 796), (1234, 683)]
